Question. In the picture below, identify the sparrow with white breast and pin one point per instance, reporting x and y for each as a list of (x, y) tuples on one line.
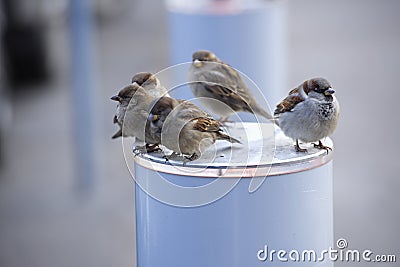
[(309, 113), (184, 128), (220, 88)]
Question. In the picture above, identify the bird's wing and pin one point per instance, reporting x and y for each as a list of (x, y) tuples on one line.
[(225, 89), (288, 103), (294, 91), (206, 124)]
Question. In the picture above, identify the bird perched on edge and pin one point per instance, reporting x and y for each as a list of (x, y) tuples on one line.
[(309, 113), (184, 128), (147, 81), (214, 81), (132, 113)]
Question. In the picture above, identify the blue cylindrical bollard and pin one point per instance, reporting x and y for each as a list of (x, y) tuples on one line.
[(209, 213)]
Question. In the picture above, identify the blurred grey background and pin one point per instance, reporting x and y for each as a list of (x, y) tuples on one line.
[(49, 218)]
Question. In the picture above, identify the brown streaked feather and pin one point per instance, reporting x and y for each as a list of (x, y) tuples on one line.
[(228, 77), (238, 87), (211, 125), (223, 136), (288, 103), (223, 94), (294, 91), (294, 97), (308, 86), (229, 87), (205, 124), (226, 84)]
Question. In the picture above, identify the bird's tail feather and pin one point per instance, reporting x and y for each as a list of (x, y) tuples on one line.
[(223, 136), (117, 134), (266, 115), (263, 113)]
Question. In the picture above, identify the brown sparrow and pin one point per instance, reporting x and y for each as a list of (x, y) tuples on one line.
[(212, 79), (123, 98), (309, 113), (184, 128), (132, 113), (151, 83)]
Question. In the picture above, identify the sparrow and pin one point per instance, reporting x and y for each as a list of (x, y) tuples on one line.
[(132, 112), (214, 81), (309, 113), (151, 83), (184, 128), (123, 98)]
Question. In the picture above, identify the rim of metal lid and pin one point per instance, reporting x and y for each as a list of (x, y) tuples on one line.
[(277, 167)]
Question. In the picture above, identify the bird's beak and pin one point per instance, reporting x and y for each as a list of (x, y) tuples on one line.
[(152, 118), (197, 63), (116, 98), (330, 91)]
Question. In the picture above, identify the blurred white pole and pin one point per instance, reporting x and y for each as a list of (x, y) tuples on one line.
[(83, 92)]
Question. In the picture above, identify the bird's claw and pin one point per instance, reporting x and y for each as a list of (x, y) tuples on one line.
[(298, 148), (169, 157), (321, 146), (187, 159), (139, 150)]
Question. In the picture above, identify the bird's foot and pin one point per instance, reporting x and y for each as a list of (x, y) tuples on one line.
[(187, 159), (298, 148), (139, 150), (153, 148), (321, 146), (169, 157), (148, 148)]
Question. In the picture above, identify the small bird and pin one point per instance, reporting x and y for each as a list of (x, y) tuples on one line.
[(151, 83), (123, 98), (185, 128), (309, 113), (132, 113), (214, 81)]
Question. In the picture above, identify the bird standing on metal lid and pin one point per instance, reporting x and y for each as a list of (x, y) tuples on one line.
[(184, 128), (220, 88), (309, 113)]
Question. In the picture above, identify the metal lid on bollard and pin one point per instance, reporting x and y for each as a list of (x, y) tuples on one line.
[(265, 150)]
